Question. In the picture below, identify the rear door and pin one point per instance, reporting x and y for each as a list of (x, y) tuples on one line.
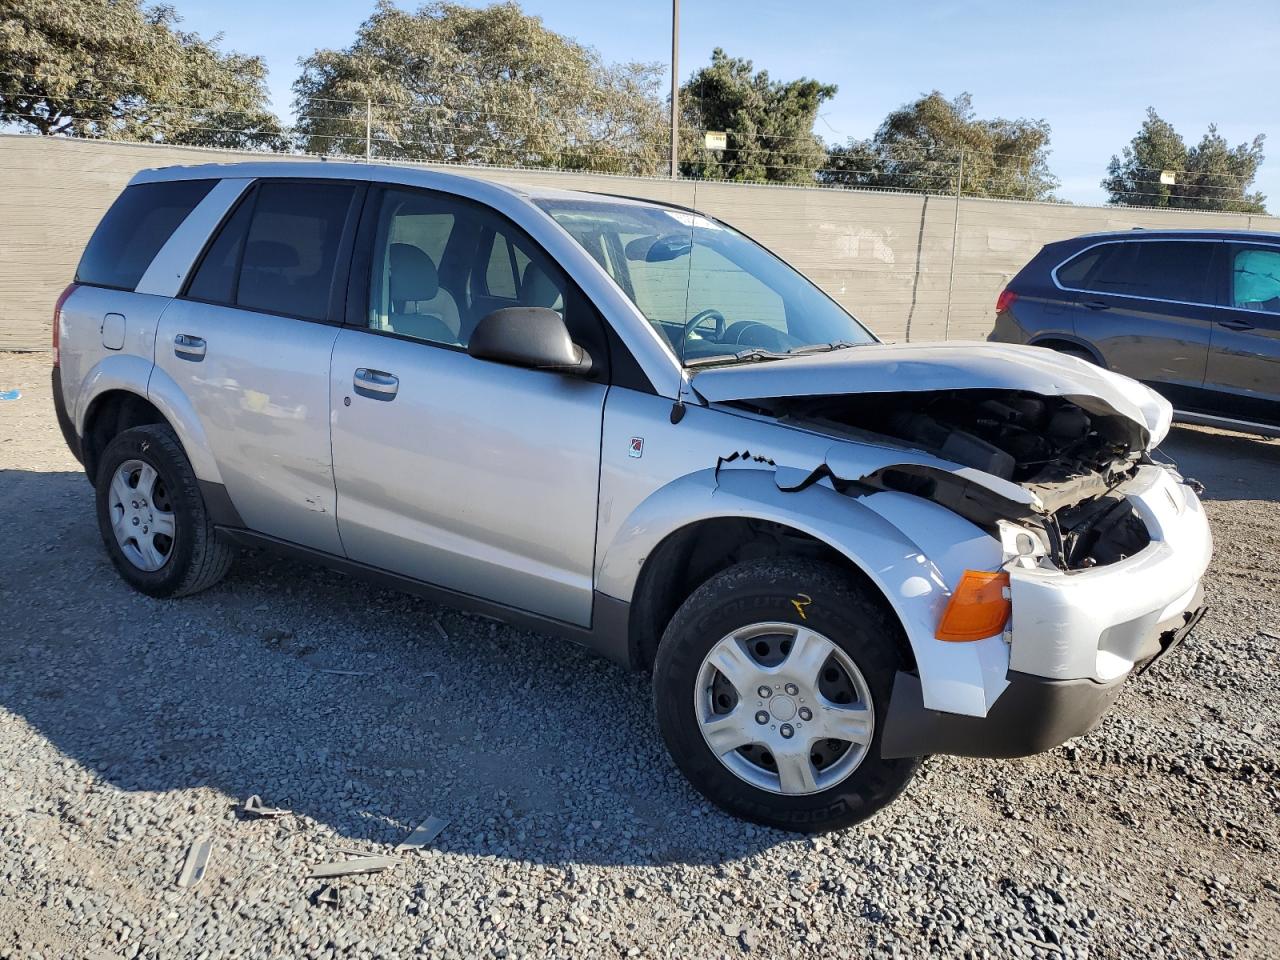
[(471, 475), (248, 343), (1145, 305), (1243, 373)]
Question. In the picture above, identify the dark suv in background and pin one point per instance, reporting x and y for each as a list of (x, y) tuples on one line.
[(1194, 314)]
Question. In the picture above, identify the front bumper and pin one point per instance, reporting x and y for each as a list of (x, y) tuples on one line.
[(1075, 637), (1033, 714), (1099, 623)]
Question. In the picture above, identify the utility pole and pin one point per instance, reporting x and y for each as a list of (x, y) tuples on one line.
[(955, 239), (675, 88), (368, 130)]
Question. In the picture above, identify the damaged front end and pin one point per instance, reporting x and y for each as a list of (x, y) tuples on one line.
[(993, 432), (1051, 465)]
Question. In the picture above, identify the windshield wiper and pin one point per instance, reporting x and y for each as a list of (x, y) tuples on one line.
[(822, 347), (755, 353)]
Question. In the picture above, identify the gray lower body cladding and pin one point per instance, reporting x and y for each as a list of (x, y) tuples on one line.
[(607, 636), (1032, 715)]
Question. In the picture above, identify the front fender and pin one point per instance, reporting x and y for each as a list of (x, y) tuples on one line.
[(914, 577)]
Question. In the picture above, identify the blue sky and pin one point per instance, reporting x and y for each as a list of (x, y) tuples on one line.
[(1089, 67)]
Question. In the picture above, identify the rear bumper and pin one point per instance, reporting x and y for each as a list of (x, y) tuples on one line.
[(1007, 329), (64, 419)]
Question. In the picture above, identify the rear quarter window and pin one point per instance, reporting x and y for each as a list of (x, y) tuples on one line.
[(1075, 271), (135, 228)]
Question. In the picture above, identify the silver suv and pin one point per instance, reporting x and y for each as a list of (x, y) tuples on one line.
[(628, 424)]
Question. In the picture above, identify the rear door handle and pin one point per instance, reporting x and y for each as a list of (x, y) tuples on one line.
[(1236, 324), (376, 384), (187, 347), (1095, 305)]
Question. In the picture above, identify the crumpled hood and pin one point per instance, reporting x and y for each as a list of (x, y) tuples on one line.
[(954, 365)]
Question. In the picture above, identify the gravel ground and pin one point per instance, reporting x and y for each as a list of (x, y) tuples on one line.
[(130, 726)]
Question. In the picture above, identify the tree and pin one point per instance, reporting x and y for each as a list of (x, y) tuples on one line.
[(769, 123), (919, 145), (1211, 176), (121, 71), (491, 85)]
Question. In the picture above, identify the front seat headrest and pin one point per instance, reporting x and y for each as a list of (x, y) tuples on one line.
[(537, 289), (413, 275)]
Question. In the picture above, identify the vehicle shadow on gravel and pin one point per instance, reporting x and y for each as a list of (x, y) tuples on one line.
[(339, 700), (1231, 466)]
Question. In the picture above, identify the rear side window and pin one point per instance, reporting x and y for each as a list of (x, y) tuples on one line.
[(215, 281), (135, 228), (1155, 269), (278, 251)]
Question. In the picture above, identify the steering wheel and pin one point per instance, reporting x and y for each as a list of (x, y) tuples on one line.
[(696, 320)]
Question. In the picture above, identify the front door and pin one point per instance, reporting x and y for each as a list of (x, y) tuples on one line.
[(1243, 375), (1145, 304), (471, 475)]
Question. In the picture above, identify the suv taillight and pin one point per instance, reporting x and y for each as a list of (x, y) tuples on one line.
[(57, 320), (1005, 300)]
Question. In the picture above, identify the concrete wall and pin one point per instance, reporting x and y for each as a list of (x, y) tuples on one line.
[(887, 257)]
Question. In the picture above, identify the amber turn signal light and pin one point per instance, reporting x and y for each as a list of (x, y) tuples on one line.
[(977, 609)]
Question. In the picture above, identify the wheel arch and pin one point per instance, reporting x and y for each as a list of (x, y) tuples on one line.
[(689, 531), (108, 414), (691, 555), (909, 549), (124, 391), (1061, 341)]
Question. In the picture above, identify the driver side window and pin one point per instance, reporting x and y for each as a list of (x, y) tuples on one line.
[(441, 264), (407, 295)]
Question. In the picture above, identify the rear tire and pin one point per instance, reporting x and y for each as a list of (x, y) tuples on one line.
[(777, 613), (145, 484)]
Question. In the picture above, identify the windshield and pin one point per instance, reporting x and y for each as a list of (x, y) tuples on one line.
[(713, 294)]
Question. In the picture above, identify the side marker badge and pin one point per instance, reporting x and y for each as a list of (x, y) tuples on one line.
[(637, 447)]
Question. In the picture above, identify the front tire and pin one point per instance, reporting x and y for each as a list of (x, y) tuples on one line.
[(152, 516), (771, 687)]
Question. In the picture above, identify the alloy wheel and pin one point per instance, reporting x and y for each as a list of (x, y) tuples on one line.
[(784, 708), (141, 515)]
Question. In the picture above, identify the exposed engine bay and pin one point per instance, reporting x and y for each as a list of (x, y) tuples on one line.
[(1071, 459)]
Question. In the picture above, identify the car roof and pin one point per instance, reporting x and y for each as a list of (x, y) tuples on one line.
[(431, 177), (1142, 233)]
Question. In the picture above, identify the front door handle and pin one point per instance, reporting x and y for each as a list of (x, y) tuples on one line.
[(1095, 305), (1236, 324), (376, 384), (187, 347)]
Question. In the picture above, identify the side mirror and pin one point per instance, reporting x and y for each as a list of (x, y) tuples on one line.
[(534, 337)]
